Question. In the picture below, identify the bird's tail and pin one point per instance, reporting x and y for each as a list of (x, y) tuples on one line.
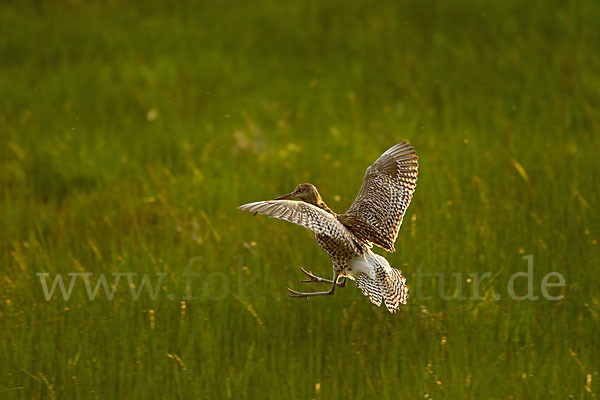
[(387, 285)]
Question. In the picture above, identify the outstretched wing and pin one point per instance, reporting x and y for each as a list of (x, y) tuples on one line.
[(377, 212), (304, 214)]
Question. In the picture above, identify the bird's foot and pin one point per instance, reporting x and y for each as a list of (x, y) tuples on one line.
[(313, 278), (309, 294), (318, 279)]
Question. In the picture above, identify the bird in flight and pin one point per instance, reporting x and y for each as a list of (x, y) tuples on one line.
[(373, 219)]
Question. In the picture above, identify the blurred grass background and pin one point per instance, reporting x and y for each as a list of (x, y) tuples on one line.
[(131, 132)]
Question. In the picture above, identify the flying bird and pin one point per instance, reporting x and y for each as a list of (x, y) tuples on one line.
[(373, 219)]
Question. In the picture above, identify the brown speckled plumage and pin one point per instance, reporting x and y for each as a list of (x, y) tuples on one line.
[(374, 218), (376, 214)]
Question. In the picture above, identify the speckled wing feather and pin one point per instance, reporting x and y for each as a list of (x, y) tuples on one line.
[(304, 214), (387, 189)]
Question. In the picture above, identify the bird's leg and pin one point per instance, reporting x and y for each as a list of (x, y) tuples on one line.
[(318, 279), (328, 293)]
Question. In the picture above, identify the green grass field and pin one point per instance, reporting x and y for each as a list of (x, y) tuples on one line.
[(131, 133)]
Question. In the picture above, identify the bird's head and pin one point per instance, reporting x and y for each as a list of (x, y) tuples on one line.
[(305, 192)]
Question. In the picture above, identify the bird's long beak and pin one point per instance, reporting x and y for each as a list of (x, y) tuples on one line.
[(286, 196)]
